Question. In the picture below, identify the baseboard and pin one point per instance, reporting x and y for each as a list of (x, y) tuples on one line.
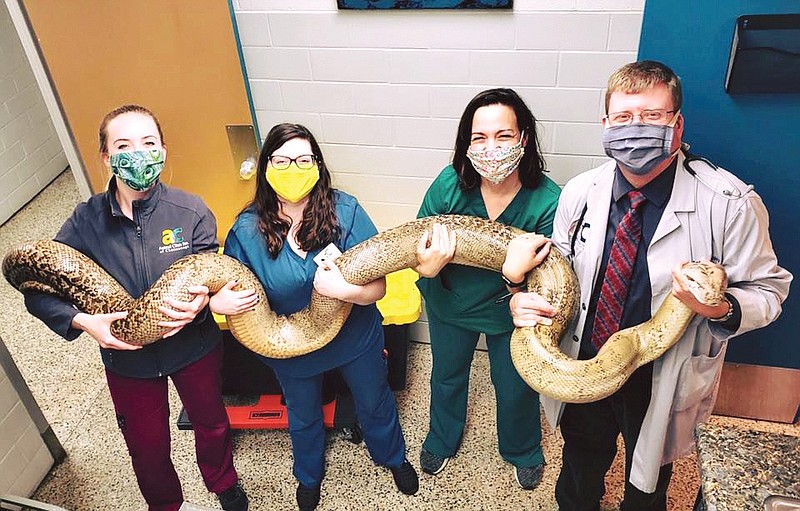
[(759, 392)]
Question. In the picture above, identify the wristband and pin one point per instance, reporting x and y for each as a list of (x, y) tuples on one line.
[(513, 285), (728, 315)]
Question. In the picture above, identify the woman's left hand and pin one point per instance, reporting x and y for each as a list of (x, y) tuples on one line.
[(435, 251), (328, 281), (183, 313), (525, 252)]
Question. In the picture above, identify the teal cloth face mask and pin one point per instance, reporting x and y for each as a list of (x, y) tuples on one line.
[(138, 169)]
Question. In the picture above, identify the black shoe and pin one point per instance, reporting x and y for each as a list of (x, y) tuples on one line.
[(307, 498), (431, 463), (234, 499), (405, 477), (529, 478)]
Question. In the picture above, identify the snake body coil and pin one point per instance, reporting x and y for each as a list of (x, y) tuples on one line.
[(55, 268)]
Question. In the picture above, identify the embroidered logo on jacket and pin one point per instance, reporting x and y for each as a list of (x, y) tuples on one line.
[(172, 241)]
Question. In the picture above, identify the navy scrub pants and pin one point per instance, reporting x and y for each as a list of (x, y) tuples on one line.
[(142, 408), (376, 409), (519, 431)]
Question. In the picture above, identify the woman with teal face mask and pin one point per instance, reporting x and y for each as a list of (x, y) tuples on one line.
[(135, 230), (293, 217)]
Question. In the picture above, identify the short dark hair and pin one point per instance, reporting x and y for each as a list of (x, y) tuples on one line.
[(640, 76), (532, 165)]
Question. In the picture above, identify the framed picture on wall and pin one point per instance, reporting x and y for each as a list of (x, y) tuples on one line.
[(424, 4)]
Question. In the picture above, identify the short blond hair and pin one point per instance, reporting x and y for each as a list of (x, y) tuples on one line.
[(640, 76)]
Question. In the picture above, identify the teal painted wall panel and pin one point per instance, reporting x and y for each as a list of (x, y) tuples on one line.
[(756, 136)]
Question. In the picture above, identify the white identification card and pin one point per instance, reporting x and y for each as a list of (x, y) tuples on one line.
[(328, 254)]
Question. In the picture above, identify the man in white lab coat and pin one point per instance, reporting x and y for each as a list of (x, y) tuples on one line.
[(692, 213)]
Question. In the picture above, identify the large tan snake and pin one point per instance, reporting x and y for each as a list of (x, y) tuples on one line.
[(55, 268)]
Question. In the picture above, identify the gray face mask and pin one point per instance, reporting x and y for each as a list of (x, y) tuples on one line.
[(639, 147)]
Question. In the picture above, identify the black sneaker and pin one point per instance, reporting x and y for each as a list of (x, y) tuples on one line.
[(529, 478), (431, 463), (307, 498), (405, 477), (234, 499)]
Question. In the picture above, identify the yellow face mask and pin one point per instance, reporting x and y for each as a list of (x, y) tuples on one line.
[(292, 183)]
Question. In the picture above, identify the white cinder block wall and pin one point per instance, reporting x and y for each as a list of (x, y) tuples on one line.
[(383, 90), (30, 153), (24, 457)]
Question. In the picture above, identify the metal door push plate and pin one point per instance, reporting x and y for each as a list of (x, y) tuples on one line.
[(244, 148)]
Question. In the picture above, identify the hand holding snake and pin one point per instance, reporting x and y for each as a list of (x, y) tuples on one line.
[(57, 269)]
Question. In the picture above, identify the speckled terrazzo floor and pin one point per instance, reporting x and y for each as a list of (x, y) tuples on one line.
[(67, 381)]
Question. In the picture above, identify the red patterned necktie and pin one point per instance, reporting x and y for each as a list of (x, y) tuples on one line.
[(618, 272)]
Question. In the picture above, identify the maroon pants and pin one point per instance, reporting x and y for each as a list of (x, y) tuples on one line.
[(142, 409)]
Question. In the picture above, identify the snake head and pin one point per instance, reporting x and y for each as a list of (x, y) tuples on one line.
[(706, 281)]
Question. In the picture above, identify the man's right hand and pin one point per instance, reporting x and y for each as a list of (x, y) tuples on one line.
[(530, 309)]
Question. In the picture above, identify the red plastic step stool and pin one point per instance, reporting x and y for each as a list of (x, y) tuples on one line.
[(244, 374)]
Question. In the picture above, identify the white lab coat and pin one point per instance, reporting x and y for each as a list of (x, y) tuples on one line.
[(697, 224)]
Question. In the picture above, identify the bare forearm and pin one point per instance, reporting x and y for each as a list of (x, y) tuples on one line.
[(366, 294)]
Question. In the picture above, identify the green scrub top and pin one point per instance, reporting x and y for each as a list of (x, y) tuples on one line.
[(468, 297)]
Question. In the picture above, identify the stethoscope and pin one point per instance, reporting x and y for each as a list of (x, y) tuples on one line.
[(731, 193)]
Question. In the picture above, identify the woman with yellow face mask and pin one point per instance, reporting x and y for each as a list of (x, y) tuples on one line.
[(294, 216)]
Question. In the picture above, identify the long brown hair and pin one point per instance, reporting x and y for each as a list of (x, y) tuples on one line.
[(319, 225)]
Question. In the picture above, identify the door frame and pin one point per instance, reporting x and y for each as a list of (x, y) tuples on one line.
[(32, 51), (22, 25)]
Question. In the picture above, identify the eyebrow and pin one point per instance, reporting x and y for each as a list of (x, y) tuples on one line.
[(128, 140), (512, 130)]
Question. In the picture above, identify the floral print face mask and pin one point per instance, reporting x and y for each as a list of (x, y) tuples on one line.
[(139, 170), (498, 163)]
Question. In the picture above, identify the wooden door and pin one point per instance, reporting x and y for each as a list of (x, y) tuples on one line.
[(179, 58)]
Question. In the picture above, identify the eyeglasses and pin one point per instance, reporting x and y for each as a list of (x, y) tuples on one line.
[(304, 161), (653, 116)]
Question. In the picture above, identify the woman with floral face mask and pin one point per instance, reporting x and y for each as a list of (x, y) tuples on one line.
[(293, 217), (135, 230), (496, 174)]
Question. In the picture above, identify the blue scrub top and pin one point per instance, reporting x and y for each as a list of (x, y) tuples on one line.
[(289, 279)]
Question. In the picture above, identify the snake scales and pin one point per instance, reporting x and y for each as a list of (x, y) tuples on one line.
[(55, 268)]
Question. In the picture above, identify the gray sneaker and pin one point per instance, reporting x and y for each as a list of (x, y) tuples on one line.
[(431, 463), (529, 478)]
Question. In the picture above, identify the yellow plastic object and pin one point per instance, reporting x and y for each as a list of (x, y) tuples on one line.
[(222, 321), (402, 304)]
